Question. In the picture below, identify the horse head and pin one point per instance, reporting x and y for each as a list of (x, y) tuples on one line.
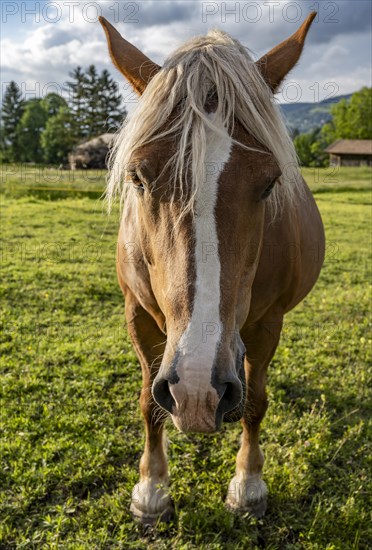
[(204, 158)]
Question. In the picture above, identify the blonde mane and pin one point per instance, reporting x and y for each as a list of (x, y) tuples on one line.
[(218, 65)]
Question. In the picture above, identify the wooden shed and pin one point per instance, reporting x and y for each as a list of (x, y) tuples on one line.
[(350, 152), (92, 153)]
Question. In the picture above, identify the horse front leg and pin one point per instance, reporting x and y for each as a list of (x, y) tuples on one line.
[(247, 491), (150, 499)]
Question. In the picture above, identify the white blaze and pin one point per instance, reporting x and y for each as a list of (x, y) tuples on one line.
[(198, 344)]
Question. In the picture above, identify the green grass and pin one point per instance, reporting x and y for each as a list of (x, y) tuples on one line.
[(19, 180), (71, 428)]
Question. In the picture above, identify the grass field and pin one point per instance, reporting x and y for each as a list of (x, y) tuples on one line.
[(71, 428)]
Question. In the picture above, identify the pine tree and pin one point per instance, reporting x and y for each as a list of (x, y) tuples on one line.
[(95, 102), (78, 102), (110, 110), (92, 95), (11, 113)]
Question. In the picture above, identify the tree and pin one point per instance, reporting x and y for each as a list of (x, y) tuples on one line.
[(310, 148), (111, 113), (95, 102), (3, 144), (92, 114), (29, 130), (11, 113), (48, 128), (351, 120), (77, 100), (52, 104), (57, 140), (360, 114), (302, 144)]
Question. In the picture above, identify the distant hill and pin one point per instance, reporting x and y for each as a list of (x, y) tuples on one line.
[(307, 116)]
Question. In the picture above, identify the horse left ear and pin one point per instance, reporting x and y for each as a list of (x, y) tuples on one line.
[(131, 62), (275, 65)]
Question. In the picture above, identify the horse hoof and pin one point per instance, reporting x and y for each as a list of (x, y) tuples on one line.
[(247, 495), (150, 503), (147, 520)]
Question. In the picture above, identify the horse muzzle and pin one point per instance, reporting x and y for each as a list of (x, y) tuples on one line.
[(200, 409)]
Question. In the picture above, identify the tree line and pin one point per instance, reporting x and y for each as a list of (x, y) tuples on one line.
[(350, 120), (46, 129)]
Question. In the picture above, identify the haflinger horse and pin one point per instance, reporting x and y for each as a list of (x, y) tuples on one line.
[(219, 238)]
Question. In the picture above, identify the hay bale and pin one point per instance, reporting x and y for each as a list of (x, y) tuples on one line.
[(92, 153)]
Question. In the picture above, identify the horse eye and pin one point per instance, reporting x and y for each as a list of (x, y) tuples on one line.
[(268, 190), (138, 183), (139, 187)]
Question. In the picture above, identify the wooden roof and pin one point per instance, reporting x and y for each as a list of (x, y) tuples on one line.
[(351, 147)]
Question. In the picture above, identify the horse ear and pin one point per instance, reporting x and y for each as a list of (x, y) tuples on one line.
[(133, 64), (275, 65)]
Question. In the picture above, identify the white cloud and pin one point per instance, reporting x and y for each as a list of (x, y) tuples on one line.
[(48, 51)]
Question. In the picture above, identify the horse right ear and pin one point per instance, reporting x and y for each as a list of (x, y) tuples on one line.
[(133, 64)]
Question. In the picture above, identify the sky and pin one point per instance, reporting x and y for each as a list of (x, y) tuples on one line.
[(41, 42)]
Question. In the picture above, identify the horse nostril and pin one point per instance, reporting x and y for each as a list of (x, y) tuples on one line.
[(231, 397), (162, 395)]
